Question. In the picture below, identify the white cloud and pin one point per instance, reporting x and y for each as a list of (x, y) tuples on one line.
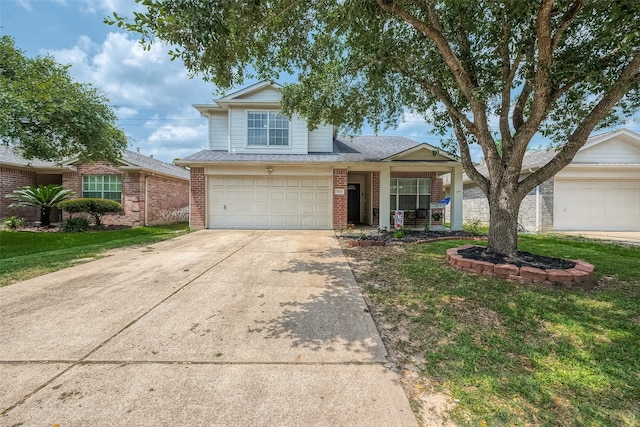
[(107, 7), (154, 94)]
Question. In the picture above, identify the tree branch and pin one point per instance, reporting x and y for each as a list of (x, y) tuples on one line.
[(567, 19), (629, 76), (465, 157), (442, 95), (434, 32)]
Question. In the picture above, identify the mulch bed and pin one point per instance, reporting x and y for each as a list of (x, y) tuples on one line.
[(477, 253), (524, 259)]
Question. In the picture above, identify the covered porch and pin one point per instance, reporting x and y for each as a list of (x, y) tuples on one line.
[(374, 194)]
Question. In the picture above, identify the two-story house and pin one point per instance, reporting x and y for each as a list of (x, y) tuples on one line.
[(265, 171)]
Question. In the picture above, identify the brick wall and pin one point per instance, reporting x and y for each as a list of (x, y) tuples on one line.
[(340, 201), (164, 194), (13, 179), (198, 199), (166, 198)]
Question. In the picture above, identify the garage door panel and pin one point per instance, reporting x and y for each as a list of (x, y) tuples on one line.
[(269, 202), (597, 205), (322, 196)]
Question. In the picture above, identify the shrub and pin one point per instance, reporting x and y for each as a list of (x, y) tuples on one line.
[(474, 226), (13, 222), (75, 225), (43, 196), (97, 208)]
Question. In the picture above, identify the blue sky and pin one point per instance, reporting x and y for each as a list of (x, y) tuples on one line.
[(153, 93)]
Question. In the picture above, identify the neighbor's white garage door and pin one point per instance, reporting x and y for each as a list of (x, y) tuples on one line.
[(611, 205), (269, 202)]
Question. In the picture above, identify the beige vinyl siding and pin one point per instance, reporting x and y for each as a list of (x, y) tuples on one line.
[(298, 134), (613, 152), (265, 94), (321, 139), (218, 131)]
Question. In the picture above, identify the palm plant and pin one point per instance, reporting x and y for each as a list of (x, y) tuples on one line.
[(43, 196)]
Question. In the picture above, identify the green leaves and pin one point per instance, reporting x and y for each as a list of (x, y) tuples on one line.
[(41, 195), (45, 114)]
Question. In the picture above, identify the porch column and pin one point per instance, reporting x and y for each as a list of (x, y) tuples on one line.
[(456, 198), (385, 188)]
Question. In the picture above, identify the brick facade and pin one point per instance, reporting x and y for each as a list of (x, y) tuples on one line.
[(340, 180), (164, 195), (13, 179), (375, 197), (198, 190)]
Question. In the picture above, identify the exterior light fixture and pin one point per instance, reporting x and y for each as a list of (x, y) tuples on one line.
[(268, 169)]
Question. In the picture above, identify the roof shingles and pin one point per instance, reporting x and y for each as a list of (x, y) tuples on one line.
[(345, 149)]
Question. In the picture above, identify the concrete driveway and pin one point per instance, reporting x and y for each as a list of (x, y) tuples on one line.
[(628, 237), (211, 328)]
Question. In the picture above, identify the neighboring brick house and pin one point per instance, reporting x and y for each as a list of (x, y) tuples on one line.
[(151, 191), (263, 170), (17, 172), (598, 191)]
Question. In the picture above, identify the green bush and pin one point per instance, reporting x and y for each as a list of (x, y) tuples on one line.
[(97, 208), (75, 225), (43, 196), (474, 226), (13, 222)]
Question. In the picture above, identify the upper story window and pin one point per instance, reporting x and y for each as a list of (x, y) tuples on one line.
[(267, 128), (102, 187)]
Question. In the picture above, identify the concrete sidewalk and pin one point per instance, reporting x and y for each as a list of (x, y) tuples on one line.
[(210, 328)]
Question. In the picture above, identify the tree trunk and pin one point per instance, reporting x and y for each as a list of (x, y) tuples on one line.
[(504, 206), (45, 213)]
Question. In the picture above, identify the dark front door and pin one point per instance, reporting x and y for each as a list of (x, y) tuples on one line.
[(353, 203)]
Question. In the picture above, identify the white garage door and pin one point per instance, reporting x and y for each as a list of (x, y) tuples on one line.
[(611, 205), (269, 202)]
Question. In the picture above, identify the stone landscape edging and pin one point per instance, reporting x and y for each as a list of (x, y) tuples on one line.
[(581, 274)]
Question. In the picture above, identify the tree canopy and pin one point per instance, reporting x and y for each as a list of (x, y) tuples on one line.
[(45, 114), (482, 70)]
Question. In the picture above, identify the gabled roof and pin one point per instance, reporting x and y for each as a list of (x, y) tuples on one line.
[(133, 161), (243, 96), (623, 134), (533, 160), (345, 149), (250, 89), (8, 157)]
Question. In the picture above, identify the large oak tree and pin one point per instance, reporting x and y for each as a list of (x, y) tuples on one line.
[(45, 114), (556, 68)]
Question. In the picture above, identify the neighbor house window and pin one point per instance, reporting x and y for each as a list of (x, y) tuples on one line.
[(102, 187), (410, 193), (267, 128)]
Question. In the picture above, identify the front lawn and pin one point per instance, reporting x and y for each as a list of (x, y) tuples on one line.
[(507, 353), (25, 254)]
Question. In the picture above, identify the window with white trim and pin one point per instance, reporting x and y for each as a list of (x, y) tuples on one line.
[(102, 187), (267, 128), (410, 193)]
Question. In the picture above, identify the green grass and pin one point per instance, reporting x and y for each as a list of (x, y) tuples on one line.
[(24, 255), (515, 354)]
